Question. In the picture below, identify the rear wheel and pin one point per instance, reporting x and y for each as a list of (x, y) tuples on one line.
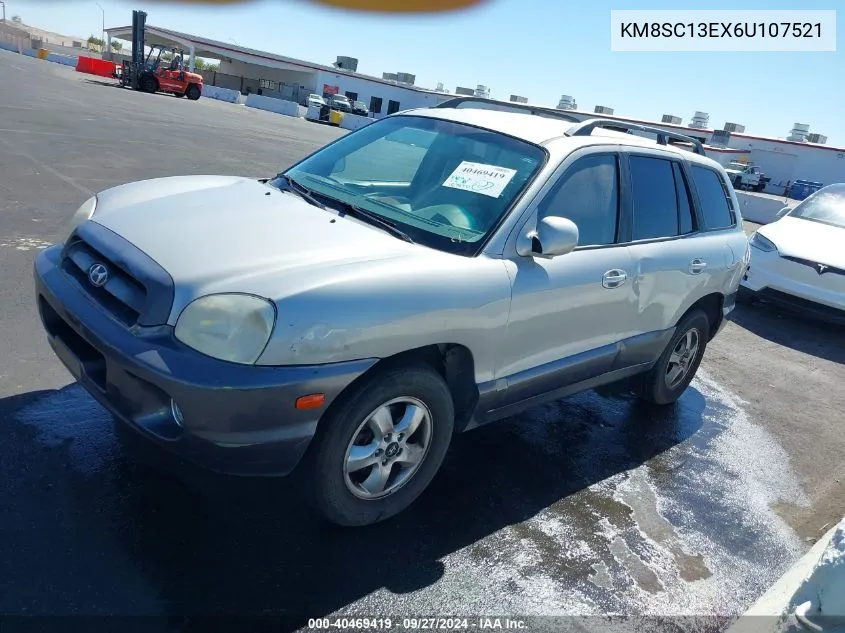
[(179, 94), (676, 367), (380, 448), (193, 92), (149, 84)]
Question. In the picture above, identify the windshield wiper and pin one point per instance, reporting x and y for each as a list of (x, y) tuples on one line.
[(376, 220), (300, 190)]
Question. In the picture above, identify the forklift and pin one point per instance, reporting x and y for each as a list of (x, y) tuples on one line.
[(149, 74)]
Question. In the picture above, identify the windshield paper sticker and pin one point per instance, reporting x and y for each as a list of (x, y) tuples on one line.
[(488, 180)]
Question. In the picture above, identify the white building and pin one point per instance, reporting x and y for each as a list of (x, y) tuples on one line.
[(782, 160), (253, 71)]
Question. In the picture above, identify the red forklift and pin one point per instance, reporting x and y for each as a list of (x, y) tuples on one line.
[(154, 74)]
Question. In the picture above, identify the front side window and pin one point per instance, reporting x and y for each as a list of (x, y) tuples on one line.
[(588, 194), (445, 184)]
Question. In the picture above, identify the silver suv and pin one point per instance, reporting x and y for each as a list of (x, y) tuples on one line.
[(427, 274)]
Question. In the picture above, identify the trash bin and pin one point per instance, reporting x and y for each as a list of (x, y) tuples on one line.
[(43, 53), (335, 117)]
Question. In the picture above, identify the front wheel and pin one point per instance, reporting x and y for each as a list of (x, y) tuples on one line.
[(676, 367), (380, 447), (149, 84), (193, 92)]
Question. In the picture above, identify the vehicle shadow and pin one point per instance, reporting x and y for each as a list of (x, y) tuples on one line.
[(790, 329), (114, 83), (214, 545)]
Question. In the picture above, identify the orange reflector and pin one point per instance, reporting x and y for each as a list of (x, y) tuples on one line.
[(311, 401)]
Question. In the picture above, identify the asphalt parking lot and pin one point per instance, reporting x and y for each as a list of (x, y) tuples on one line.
[(590, 505)]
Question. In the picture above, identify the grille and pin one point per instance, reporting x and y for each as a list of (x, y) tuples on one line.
[(122, 295)]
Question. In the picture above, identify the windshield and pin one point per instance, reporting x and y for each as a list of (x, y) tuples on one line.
[(826, 206), (444, 184)]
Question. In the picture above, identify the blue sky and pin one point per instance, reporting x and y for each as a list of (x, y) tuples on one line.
[(537, 48)]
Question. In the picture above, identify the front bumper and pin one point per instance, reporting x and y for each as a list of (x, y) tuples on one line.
[(794, 286), (237, 419)]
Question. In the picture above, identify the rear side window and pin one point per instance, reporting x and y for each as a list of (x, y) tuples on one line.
[(716, 205), (660, 197), (655, 198), (588, 194)]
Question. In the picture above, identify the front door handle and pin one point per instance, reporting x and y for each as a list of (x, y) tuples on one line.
[(614, 278), (697, 266)]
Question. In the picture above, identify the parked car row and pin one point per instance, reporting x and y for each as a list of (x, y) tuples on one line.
[(339, 102)]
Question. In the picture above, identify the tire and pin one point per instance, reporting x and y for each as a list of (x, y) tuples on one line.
[(350, 496), (193, 92), (658, 385), (179, 95), (149, 84)]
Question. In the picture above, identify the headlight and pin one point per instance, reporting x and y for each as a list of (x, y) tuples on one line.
[(761, 243), (232, 327), (82, 214)]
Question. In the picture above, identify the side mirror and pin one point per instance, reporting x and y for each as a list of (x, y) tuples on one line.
[(553, 236), (783, 212)]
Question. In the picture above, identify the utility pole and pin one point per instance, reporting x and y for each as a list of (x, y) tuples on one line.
[(4, 10), (103, 34)]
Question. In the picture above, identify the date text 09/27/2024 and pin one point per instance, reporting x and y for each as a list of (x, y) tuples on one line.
[(413, 624)]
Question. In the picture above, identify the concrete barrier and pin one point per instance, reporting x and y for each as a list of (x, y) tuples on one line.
[(280, 106), (761, 209), (222, 94), (355, 121), (62, 59)]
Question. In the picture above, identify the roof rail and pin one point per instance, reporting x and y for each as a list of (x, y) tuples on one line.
[(506, 106), (586, 128)]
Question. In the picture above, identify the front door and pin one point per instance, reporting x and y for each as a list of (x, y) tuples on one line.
[(568, 312)]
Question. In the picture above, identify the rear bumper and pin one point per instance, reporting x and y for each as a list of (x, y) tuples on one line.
[(237, 419)]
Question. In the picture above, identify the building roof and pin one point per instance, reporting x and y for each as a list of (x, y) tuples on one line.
[(205, 47), (691, 131)]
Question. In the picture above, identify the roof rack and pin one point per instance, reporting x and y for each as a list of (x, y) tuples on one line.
[(586, 128), (506, 106)]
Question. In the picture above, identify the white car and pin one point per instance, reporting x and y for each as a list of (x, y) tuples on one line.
[(799, 260), (316, 100)]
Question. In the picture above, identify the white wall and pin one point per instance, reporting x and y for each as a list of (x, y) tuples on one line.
[(367, 88), (289, 76)]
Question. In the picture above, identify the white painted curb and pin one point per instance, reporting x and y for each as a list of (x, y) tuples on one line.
[(815, 585)]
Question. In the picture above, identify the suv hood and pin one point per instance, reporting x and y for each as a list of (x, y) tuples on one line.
[(808, 240), (226, 234)]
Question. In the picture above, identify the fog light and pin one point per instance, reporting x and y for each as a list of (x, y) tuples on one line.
[(177, 412)]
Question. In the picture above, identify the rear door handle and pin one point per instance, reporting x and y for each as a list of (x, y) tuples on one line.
[(614, 278), (697, 266)]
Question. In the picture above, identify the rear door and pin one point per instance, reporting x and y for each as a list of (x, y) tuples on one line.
[(676, 261)]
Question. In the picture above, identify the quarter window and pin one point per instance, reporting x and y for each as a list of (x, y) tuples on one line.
[(588, 194), (716, 204)]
